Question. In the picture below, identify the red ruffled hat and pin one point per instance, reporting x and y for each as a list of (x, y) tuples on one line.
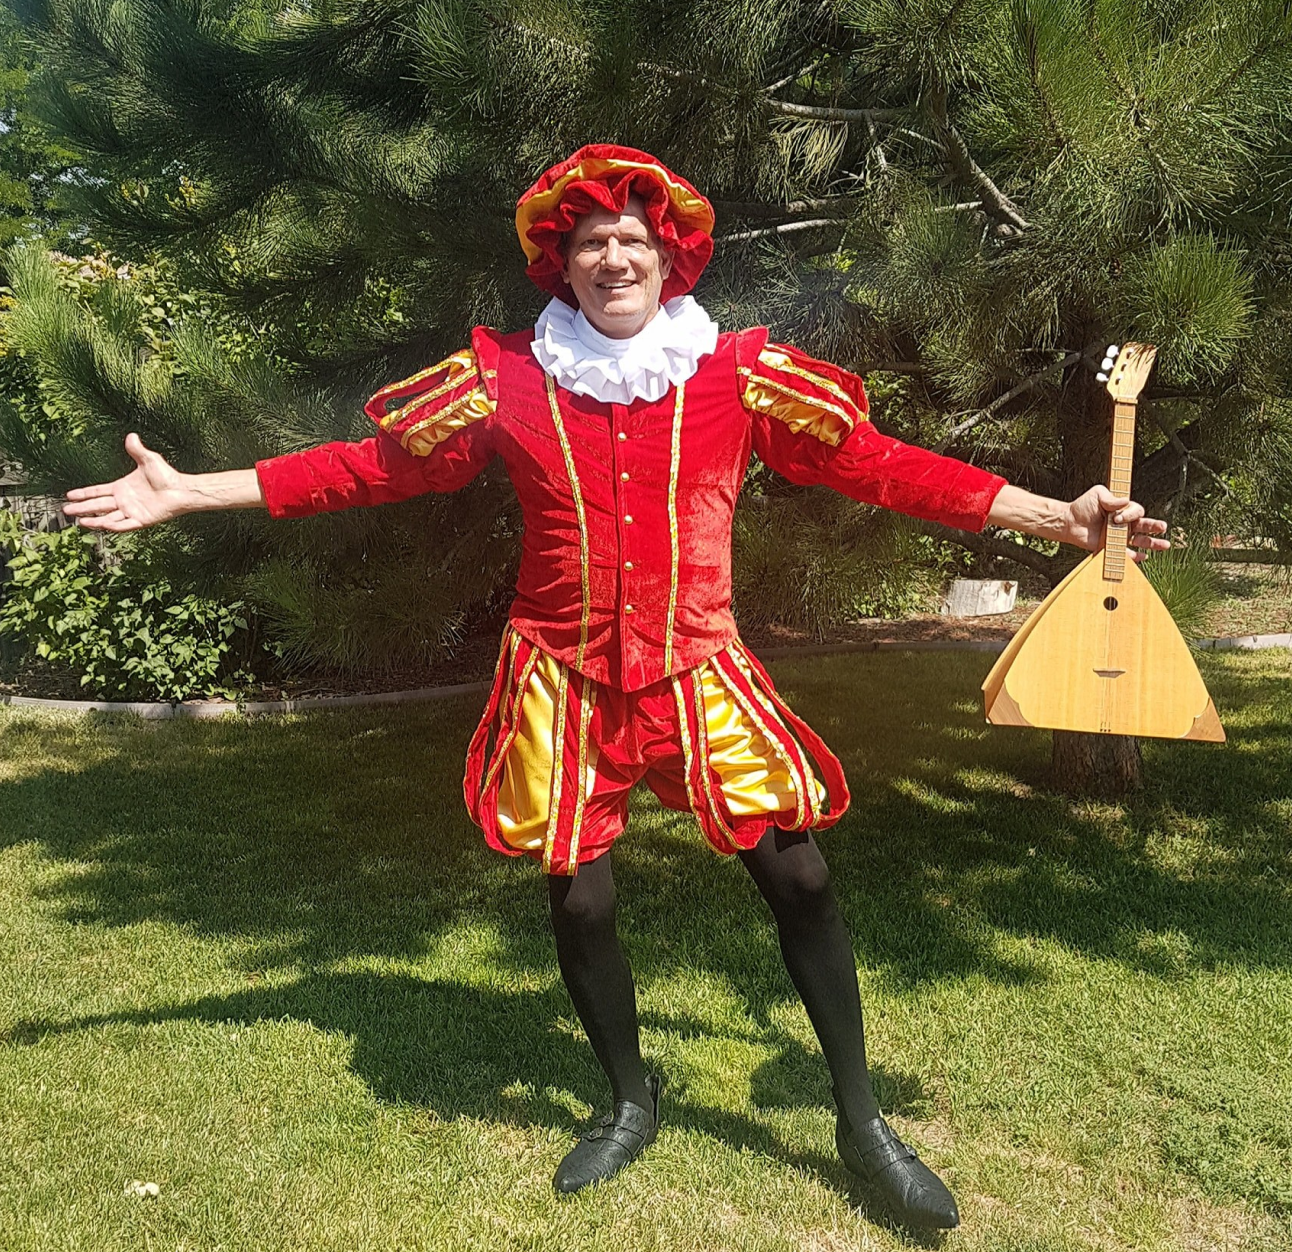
[(604, 175)]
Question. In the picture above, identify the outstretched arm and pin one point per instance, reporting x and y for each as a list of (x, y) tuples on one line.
[(438, 439), (155, 491), (1080, 521), (810, 423)]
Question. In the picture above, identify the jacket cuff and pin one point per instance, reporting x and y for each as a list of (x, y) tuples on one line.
[(980, 490), (287, 486)]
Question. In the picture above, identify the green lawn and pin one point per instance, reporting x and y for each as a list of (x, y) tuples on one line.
[(270, 966)]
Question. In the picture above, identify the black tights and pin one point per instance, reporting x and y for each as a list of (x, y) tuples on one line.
[(792, 876)]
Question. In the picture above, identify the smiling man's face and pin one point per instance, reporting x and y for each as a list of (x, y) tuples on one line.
[(616, 266)]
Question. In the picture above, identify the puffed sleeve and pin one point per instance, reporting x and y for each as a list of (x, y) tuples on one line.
[(435, 435), (810, 423)]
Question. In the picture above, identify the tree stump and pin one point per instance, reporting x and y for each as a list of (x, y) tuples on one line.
[(1104, 766)]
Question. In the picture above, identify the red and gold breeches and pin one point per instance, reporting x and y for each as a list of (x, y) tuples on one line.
[(555, 755)]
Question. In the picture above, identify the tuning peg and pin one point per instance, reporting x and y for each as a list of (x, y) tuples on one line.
[(1103, 378), (1113, 350), (1107, 363)]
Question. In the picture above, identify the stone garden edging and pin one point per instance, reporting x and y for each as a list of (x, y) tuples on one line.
[(225, 708)]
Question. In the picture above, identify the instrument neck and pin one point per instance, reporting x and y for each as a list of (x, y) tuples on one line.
[(1119, 481)]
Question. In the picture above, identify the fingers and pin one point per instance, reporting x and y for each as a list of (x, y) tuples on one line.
[(88, 493), (115, 522), (1149, 542), (86, 505), (1107, 501), (1143, 542)]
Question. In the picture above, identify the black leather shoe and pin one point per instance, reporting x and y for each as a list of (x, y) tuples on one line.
[(913, 1194), (613, 1143)]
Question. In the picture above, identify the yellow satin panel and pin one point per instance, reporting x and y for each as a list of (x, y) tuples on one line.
[(421, 437), (785, 363), (754, 779), (752, 776), (525, 790), (826, 420)]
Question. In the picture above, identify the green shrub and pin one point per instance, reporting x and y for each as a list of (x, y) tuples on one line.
[(1189, 586), (815, 559), (125, 630)]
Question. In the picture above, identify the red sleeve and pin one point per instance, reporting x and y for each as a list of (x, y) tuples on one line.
[(810, 423), (375, 471), (437, 437)]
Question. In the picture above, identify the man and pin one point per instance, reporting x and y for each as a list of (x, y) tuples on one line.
[(626, 420)]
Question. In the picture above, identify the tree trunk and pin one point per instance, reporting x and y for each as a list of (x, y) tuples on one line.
[(1106, 766)]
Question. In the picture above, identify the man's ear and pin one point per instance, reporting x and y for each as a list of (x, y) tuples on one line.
[(665, 262)]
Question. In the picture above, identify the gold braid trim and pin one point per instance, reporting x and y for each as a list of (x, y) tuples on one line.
[(421, 437), (587, 702), (736, 649), (674, 555), (513, 724), (684, 730), (578, 511), (702, 728), (798, 411), (460, 365), (782, 361), (558, 770)]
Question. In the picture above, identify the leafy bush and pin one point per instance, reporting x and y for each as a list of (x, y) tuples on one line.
[(124, 629)]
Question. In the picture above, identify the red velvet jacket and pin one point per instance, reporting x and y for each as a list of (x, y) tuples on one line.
[(626, 562)]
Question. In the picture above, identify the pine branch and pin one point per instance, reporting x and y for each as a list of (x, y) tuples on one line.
[(1031, 382), (1186, 455), (988, 545), (752, 208), (793, 78), (784, 228), (1034, 72), (833, 113), (962, 164)]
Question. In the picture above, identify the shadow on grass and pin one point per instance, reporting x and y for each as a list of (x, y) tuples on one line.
[(463, 1051), (337, 836), (344, 834)]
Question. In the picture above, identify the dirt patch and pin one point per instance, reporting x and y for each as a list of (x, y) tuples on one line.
[(1203, 1227)]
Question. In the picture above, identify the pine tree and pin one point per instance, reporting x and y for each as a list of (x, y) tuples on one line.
[(967, 201)]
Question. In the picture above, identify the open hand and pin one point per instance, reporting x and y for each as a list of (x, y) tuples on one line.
[(1088, 514), (152, 492)]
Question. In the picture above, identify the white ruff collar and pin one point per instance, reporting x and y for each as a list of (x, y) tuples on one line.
[(665, 352)]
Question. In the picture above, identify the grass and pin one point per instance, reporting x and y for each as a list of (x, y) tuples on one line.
[(269, 966)]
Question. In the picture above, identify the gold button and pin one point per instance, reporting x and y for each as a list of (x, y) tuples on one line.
[(628, 565), (623, 477), (628, 608), (628, 519), (621, 436)]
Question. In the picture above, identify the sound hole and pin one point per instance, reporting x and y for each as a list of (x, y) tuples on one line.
[(1110, 603)]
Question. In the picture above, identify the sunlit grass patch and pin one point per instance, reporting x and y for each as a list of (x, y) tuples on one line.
[(269, 966)]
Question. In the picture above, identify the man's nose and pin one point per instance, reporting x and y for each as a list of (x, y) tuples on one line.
[(614, 257)]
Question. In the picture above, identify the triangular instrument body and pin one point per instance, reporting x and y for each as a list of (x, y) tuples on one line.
[(1104, 657)]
